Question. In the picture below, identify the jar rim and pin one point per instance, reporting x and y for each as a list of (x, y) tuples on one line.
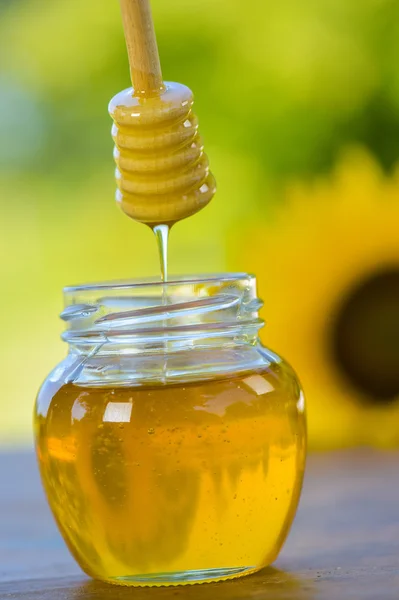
[(188, 308), (154, 281)]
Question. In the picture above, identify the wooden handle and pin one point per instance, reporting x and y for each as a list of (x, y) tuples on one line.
[(142, 48)]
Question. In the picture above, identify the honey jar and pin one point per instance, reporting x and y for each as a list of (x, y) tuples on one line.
[(171, 443)]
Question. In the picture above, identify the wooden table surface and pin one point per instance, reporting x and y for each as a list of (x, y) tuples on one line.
[(344, 543)]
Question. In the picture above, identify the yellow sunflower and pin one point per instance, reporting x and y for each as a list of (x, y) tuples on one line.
[(327, 264)]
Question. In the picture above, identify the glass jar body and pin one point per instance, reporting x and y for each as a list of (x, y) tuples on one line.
[(190, 480)]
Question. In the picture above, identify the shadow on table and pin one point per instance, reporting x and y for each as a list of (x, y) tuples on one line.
[(267, 584)]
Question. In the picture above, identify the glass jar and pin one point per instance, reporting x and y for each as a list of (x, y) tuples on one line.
[(171, 443)]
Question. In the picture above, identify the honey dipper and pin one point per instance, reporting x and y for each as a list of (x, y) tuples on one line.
[(162, 171)]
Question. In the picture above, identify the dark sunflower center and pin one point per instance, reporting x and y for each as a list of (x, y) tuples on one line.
[(366, 337)]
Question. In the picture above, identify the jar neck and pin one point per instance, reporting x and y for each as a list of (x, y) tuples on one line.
[(151, 318)]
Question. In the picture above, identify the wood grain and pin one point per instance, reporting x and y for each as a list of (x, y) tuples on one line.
[(344, 543), (142, 48)]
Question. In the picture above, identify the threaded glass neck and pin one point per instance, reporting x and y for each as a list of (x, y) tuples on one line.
[(188, 311)]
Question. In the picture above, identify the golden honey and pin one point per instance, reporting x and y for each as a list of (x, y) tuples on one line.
[(162, 170), (198, 480)]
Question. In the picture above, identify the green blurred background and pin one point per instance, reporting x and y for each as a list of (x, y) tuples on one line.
[(281, 91)]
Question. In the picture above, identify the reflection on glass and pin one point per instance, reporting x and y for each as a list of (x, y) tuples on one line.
[(118, 412)]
